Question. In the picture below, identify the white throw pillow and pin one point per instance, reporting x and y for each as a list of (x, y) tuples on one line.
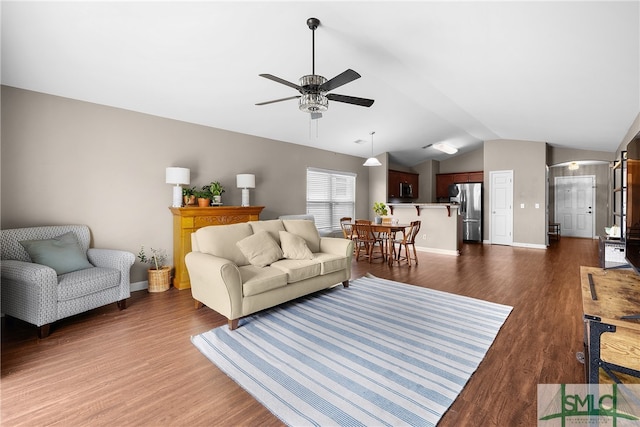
[(260, 249), (294, 247)]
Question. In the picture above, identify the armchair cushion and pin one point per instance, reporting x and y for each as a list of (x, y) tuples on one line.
[(78, 284), (260, 249), (62, 253)]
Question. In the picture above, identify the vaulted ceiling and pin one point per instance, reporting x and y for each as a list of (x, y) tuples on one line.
[(564, 72)]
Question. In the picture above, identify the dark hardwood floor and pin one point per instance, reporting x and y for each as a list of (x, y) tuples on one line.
[(138, 366)]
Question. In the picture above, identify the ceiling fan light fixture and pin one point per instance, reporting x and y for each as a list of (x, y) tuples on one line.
[(372, 161), (313, 88), (445, 148), (313, 103)]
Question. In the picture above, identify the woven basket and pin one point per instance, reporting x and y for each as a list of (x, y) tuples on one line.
[(159, 280)]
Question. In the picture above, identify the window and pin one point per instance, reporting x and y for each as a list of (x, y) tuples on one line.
[(331, 195)]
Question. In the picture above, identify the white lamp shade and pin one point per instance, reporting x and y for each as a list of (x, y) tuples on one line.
[(178, 176), (372, 161), (246, 180)]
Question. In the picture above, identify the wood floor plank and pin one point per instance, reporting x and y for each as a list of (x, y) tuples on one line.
[(138, 367)]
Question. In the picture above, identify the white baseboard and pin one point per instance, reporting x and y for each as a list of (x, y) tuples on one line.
[(139, 286), (438, 251), (520, 245), (529, 245)]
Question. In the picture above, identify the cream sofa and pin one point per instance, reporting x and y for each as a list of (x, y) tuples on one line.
[(239, 269)]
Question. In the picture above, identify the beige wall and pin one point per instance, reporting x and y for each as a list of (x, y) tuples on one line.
[(557, 155), (527, 160), (67, 161), (467, 162), (427, 181)]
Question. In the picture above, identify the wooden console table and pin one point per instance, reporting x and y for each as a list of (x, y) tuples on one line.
[(611, 341), (189, 219)]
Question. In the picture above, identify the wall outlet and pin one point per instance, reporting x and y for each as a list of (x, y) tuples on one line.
[(424, 237), (521, 205)]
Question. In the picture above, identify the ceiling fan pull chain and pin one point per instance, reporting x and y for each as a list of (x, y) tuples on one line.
[(311, 122)]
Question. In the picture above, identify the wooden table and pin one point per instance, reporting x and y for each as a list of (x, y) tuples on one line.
[(390, 230), (613, 295)]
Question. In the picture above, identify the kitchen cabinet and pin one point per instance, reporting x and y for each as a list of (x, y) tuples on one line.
[(443, 180), (403, 180)]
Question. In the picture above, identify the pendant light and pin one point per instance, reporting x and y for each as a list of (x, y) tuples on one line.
[(372, 161)]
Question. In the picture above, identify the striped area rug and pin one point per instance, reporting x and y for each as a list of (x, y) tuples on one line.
[(376, 353)]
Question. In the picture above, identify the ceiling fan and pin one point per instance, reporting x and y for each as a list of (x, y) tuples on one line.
[(313, 88)]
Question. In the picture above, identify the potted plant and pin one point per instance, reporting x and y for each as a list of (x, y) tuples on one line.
[(381, 210), (189, 196), (159, 274), (216, 190), (204, 196)]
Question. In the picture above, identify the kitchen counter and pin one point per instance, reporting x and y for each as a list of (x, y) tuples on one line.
[(440, 228)]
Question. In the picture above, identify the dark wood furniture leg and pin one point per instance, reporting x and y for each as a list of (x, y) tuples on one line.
[(44, 330)]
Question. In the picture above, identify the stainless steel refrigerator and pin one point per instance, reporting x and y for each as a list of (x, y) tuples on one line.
[(469, 196)]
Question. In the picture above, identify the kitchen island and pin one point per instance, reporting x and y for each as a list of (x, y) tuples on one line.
[(440, 228)]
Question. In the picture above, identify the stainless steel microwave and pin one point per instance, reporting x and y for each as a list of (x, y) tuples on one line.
[(406, 189)]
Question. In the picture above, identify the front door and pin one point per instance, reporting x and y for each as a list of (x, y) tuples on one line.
[(501, 207), (575, 205)]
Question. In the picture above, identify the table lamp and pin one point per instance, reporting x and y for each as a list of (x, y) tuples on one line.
[(245, 181), (177, 176)]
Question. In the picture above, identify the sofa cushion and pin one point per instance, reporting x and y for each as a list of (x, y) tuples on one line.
[(273, 226), (62, 253), (221, 241), (330, 263), (78, 284), (260, 249), (298, 269), (305, 229), (294, 247), (256, 280)]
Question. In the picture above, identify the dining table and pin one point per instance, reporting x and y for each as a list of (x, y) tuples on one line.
[(390, 230)]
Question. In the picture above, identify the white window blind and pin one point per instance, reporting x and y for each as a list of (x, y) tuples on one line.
[(331, 195)]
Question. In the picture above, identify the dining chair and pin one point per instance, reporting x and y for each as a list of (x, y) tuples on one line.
[(354, 234), (367, 240), (347, 227), (408, 240)]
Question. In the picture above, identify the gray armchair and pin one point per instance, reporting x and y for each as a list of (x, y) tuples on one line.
[(36, 294)]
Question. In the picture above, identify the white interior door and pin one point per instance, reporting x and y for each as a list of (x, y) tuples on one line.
[(501, 201), (575, 205)]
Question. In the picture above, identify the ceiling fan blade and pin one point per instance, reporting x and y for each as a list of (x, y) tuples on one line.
[(363, 102), (281, 81), (339, 80), (278, 100)]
